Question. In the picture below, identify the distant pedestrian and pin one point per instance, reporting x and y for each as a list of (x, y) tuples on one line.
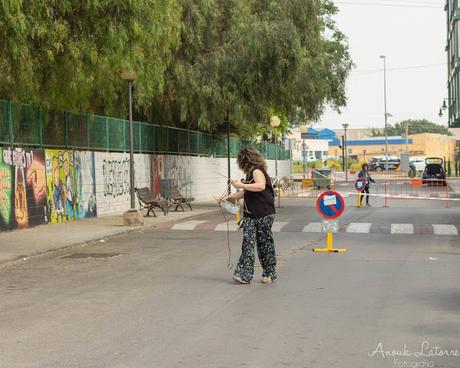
[(259, 215), (364, 174)]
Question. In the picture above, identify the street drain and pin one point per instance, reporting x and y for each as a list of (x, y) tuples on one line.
[(91, 255)]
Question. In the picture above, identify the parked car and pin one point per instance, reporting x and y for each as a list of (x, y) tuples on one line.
[(379, 163), (418, 163), (434, 171)]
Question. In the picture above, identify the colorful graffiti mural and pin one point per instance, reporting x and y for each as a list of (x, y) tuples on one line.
[(169, 172), (61, 186), (22, 188), (53, 186), (85, 179)]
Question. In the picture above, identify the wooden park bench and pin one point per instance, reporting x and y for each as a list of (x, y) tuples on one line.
[(178, 200), (147, 200)]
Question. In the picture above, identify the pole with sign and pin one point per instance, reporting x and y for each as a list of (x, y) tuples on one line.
[(330, 205), (360, 185)]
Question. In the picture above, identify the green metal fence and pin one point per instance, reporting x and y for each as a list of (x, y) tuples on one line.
[(27, 125)]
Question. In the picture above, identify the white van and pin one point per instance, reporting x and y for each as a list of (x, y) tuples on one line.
[(418, 162)]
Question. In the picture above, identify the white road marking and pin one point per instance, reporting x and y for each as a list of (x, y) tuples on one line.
[(313, 227), (232, 226), (402, 228), (359, 227), (187, 225), (277, 226), (442, 229)]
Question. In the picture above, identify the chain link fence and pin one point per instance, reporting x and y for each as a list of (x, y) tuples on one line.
[(28, 125)]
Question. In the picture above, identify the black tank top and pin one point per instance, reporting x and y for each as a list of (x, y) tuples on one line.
[(259, 204)]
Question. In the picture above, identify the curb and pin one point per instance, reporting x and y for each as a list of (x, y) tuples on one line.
[(78, 245)]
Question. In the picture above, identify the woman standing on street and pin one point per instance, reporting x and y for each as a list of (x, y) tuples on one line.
[(364, 174), (259, 214)]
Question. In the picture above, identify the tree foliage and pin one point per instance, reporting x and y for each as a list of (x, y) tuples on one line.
[(242, 59), (200, 62), (415, 126), (69, 54)]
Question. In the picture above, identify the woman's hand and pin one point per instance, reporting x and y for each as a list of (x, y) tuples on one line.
[(223, 199), (237, 184)]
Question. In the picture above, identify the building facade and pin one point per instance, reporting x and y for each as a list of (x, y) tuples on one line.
[(424, 144), (364, 149), (314, 148), (453, 61), (358, 133), (433, 145)]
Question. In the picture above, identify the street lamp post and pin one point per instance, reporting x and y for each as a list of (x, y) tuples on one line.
[(130, 76), (407, 137), (303, 132), (443, 107), (275, 123), (385, 106), (229, 173), (345, 156)]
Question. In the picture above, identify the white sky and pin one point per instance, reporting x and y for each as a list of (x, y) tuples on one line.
[(409, 35)]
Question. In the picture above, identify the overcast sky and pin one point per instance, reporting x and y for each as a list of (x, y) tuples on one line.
[(412, 37)]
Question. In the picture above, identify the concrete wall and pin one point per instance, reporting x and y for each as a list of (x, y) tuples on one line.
[(434, 145), (424, 144), (112, 180), (52, 186), (199, 177)]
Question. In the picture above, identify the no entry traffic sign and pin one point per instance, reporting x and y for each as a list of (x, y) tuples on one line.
[(360, 184), (330, 205)]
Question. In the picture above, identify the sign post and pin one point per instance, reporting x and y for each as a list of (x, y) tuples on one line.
[(360, 185), (330, 205)]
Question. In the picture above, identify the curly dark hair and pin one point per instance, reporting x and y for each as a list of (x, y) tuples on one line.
[(249, 159)]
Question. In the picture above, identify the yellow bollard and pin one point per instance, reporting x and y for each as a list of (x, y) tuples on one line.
[(330, 242), (359, 199), (329, 246)]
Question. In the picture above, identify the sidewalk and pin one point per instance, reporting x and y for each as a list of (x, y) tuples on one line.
[(454, 185), (21, 244)]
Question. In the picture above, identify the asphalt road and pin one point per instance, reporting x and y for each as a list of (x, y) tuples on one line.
[(167, 299)]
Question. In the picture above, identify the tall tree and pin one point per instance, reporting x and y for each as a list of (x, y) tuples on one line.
[(68, 54), (200, 62), (243, 58)]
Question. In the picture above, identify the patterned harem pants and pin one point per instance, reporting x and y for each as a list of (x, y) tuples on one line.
[(257, 231)]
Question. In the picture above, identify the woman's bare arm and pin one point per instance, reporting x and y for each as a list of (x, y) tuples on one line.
[(235, 196), (257, 186)]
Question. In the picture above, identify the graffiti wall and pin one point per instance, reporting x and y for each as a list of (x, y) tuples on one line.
[(61, 185), (112, 180), (142, 170), (171, 171), (112, 183), (22, 188), (53, 186), (85, 179)]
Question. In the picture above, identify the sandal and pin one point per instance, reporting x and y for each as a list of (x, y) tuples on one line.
[(267, 280), (239, 280)]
